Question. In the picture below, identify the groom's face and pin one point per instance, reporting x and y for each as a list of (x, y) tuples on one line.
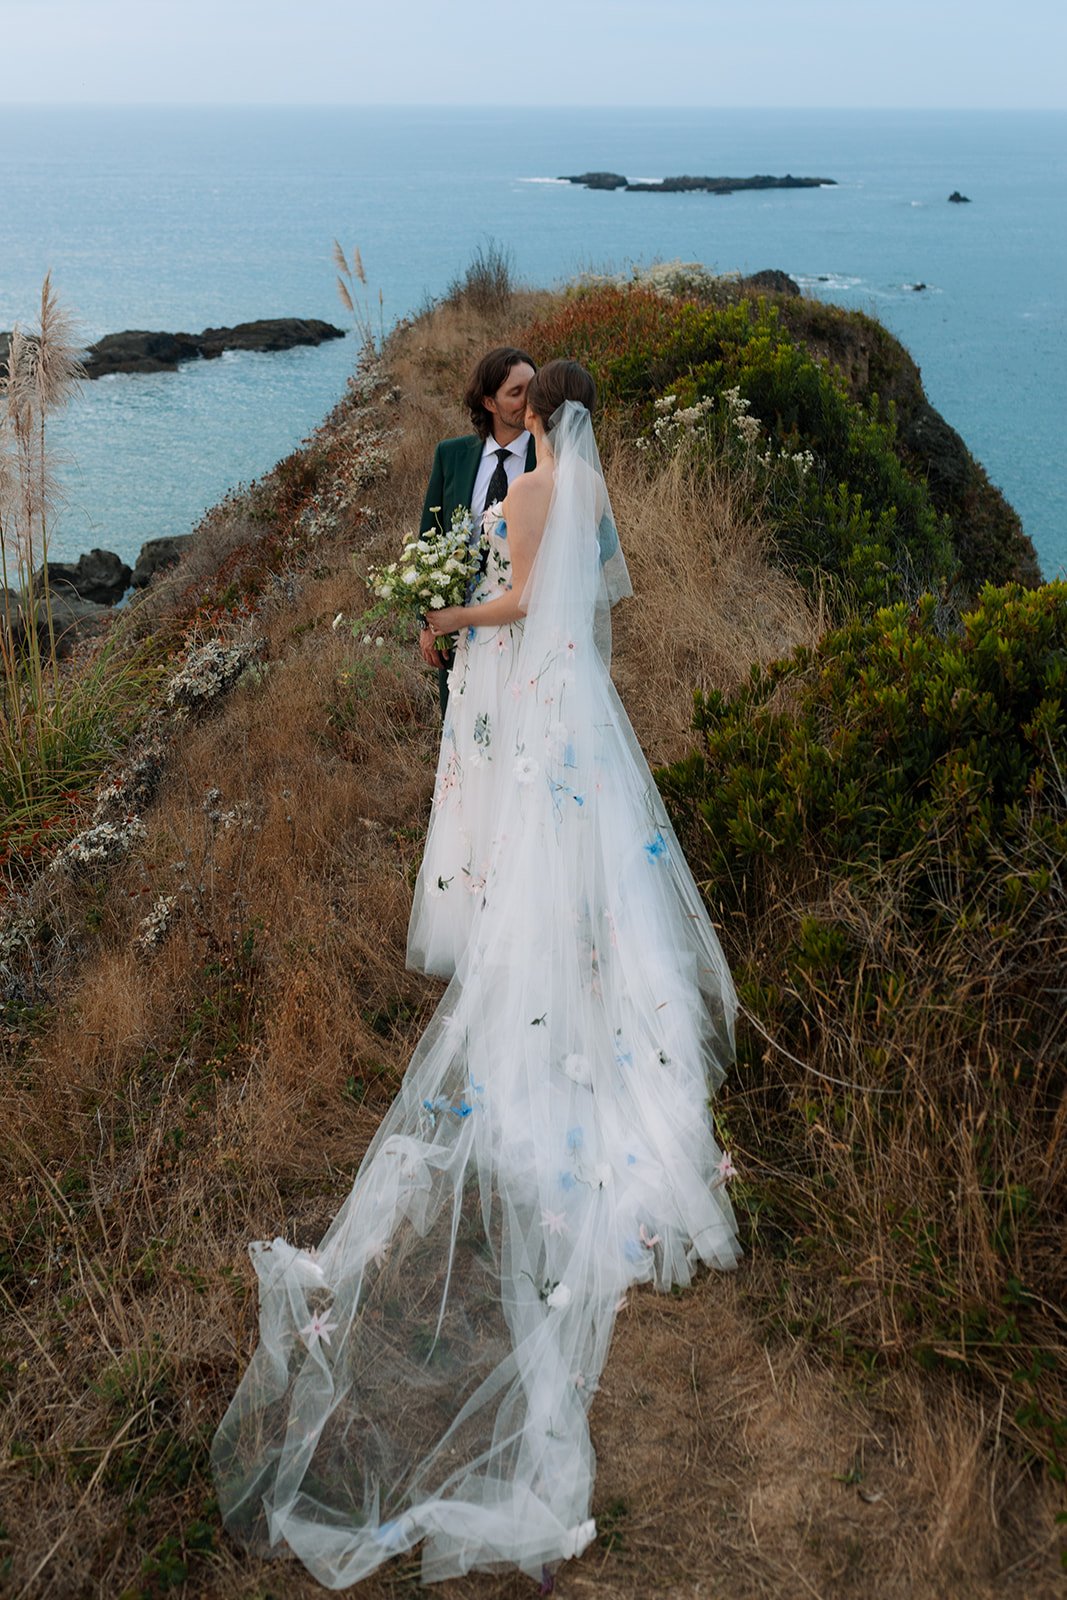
[(508, 405)]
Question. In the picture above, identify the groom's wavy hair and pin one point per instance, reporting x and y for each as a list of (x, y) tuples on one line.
[(558, 381), (489, 375)]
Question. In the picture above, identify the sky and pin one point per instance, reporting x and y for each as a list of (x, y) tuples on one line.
[(944, 54)]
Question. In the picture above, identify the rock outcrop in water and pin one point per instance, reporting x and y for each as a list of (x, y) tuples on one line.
[(156, 554), (100, 576), (83, 592), (137, 350), (685, 185)]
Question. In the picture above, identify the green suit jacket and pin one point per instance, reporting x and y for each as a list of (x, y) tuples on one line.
[(455, 467)]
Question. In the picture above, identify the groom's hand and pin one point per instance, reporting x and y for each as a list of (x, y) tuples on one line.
[(428, 648)]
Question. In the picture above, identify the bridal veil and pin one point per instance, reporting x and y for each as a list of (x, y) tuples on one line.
[(425, 1373)]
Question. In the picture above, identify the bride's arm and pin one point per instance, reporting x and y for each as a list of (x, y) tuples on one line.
[(526, 523)]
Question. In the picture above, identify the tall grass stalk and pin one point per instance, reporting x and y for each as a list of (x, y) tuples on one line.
[(53, 724), (355, 299)]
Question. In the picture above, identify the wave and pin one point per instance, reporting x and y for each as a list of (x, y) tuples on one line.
[(827, 280)]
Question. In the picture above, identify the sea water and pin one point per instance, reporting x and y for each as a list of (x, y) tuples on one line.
[(180, 219)]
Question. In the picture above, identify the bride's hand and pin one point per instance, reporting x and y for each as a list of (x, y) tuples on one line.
[(448, 620)]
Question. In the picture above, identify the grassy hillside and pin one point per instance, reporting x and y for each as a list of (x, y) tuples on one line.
[(205, 1016)]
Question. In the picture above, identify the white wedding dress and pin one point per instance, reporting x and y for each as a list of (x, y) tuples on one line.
[(466, 820), (424, 1375)]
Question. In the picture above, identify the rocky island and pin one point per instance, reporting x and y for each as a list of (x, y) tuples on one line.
[(137, 350), (686, 185)]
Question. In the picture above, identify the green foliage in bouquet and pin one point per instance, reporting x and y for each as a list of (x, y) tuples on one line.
[(881, 826)]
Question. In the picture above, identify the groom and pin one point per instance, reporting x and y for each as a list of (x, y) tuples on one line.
[(478, 468)]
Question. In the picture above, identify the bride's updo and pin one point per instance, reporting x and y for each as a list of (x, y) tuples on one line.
[(555, 382)]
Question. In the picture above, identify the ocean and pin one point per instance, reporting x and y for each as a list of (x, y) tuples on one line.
[(184, 218)]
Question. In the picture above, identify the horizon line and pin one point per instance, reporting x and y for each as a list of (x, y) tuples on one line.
[(450, 105)]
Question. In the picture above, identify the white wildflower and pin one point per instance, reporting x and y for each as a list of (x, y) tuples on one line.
[(153, 928), (578, 1068)]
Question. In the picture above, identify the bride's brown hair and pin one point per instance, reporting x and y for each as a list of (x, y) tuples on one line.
[(555, 382)]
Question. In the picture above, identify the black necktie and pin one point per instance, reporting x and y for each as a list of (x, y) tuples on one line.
[(497, 490), (498, 483)]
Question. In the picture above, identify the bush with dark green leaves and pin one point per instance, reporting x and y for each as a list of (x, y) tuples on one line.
[(861, 526), (881, 825)]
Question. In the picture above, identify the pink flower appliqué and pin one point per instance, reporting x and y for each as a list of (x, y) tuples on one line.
[(318, 1328), (726, 1168), (649, 1240), (554, 1221)]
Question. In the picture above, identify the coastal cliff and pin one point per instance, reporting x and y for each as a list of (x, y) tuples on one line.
[(205, 1008)]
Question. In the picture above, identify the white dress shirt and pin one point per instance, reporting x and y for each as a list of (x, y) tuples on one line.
[(514, 466)]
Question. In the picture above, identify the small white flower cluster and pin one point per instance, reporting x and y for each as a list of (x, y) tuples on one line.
[(665, 278), (674, 417), (433, 570), (748, 427), (317, 521), (365, 381), (802, 460), (102, 845), (133, 785), (239, 816), (153, 928), (675, 422), (16, 932), (208, 672), (371, 464)]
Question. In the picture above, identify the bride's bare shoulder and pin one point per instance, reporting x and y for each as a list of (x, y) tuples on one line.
[(528, 499), (530, 488)]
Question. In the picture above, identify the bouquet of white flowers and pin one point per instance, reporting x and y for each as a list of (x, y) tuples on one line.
[(434, 570)]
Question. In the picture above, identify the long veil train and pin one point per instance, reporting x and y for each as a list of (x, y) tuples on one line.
[(426, 1372)]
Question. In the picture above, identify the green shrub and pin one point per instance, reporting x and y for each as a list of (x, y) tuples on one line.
[(881, 825), (860, 519)]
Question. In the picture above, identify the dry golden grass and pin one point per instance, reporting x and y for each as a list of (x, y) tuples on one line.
[(169, 1108)]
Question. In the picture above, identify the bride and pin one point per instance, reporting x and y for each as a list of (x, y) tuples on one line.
[(424, 1374)]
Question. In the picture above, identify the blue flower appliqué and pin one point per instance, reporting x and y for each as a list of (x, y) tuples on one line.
[(657, 849)]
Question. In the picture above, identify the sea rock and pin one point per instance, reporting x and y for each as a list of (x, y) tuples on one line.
[(270, 333), (137, 350), (155, 554), (686, 185), (100, 575), (73, 618), (599, 180), (772, 278), (958, 199), (615, 180)]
